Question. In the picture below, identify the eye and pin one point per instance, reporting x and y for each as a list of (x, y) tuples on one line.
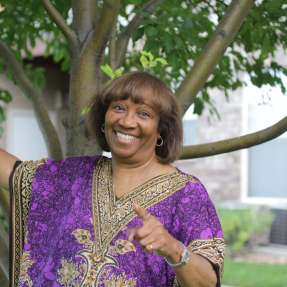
[(144, 114), (118, 107)]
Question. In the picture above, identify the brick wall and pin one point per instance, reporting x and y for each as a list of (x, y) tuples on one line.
[(220, 174)]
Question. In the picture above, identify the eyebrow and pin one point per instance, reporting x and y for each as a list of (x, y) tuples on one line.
[(144, 103)]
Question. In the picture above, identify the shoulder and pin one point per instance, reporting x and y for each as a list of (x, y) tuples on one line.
[(72, 162), (194, 189), (75, 166)]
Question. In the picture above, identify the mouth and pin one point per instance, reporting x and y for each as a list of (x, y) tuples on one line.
[(125, 137)]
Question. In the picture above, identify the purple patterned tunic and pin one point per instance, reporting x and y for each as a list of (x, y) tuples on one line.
[(73, 229)]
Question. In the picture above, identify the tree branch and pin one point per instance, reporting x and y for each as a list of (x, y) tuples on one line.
[(4, 250), (112, 47), (100, 36), (213, 51), (40, 111), (60, 22), (85, 17), (234, 144), (5, 203), (126, 33), (4, 282), (112, 52)]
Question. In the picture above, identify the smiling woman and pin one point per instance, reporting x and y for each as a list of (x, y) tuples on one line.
[(133, 220), (153, 93)]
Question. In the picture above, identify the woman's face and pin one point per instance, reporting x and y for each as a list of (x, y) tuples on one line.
[(132, 130)]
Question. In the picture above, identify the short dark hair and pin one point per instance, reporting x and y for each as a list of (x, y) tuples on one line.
[(136, 86)]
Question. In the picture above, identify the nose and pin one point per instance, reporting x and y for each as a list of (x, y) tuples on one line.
[(128, 120)]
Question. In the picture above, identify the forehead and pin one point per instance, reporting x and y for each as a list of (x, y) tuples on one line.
[(145, 96)]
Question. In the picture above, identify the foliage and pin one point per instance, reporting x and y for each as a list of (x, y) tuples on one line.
[(177, 32), (239, 224), (254, 274), (5, 97), (108, 70), (3, 220), (150, 62)]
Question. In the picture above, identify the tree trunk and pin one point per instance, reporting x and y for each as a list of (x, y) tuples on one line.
[(86, 79)]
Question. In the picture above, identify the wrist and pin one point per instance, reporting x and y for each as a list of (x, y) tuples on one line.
[(184, 258), (175, 253)]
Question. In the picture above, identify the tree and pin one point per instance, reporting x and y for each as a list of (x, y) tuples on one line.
[(77, 34)]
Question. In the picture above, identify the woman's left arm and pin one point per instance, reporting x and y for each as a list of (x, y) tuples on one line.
[(153, 237), (197, 272)]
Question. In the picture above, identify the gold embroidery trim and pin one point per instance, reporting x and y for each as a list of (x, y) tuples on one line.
[(110, 216), (212, 249), (22, 185)]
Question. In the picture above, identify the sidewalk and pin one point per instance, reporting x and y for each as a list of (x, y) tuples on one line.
[(271, 254)]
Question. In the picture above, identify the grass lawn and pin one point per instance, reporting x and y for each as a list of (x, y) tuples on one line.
[(254, 274)]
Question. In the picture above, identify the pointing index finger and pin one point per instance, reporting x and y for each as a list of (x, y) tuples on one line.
[(141, 213)]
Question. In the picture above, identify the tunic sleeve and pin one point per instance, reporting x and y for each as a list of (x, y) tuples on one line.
[(198, 226), (21, 181)]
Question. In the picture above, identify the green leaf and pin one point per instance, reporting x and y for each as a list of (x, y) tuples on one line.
[(153, 64), (2, 115), (118, 73), (198, 106), (188, 23), (148, 54), (65, 66), (152, 46), (178, 41), (266, 46), (144, 61), (168, 42), (5, 96), (138, 34), (108, 70), (174, 61), (161, 60), (85, 111), (151, 31)]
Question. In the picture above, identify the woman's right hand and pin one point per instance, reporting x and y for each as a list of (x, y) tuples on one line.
[(7, 162)]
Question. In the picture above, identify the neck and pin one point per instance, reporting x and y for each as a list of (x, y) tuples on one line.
[(123, 169)]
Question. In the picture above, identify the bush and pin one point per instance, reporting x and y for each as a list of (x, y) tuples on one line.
[(239, 225)]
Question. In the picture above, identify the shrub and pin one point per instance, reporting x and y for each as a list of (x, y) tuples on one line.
[(239, 225)]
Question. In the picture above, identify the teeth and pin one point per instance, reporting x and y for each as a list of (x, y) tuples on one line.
[(125, 137)]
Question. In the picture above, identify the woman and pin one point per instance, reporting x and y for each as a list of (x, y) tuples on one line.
[(132, 220)]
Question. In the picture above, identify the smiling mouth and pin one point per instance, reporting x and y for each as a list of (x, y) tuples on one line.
[(125, 137)]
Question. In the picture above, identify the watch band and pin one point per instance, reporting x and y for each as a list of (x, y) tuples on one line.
[(185, 256)]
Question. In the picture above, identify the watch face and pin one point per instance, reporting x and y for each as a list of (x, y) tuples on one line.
[(185, 256)]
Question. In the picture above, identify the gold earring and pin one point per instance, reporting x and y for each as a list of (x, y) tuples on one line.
[(102, 128), (161, 142)]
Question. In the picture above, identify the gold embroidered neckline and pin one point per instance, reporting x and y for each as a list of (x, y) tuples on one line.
[(111, 216), (134, 190)]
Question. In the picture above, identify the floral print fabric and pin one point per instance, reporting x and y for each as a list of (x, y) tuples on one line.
[(60, 247)]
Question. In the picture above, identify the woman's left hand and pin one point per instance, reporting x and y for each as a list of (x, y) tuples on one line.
[(152, 236)]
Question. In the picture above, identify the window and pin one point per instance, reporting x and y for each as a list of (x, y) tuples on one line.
[(265, 164), (25, 139)]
